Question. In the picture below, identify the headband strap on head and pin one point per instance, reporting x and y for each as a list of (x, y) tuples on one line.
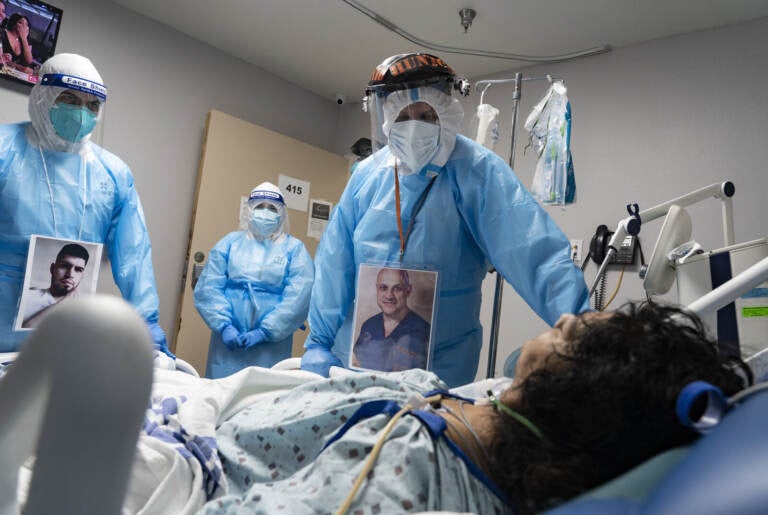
[(76, 83), (266, 195)]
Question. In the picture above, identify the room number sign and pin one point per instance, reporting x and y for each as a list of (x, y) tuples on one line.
[(295, 191)]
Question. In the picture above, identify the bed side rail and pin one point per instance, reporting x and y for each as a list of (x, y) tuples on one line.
[(75, 399)]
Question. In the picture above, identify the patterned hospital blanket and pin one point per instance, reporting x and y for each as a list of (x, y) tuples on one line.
[(275, 461), (176, 468), (271, 428)]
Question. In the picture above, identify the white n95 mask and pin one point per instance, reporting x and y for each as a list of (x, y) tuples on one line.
[(414, 143)]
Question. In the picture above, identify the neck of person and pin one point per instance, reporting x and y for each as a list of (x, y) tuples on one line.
[(393, 320), (468, 427)]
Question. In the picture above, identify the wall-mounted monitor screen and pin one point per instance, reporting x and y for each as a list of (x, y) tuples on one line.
[(28, 33)]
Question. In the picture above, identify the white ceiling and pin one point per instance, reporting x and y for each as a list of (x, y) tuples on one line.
[(330, 47)]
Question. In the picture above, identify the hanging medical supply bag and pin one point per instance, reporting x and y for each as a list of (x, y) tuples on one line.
[(487, 126), (742, 325), (549, 124)]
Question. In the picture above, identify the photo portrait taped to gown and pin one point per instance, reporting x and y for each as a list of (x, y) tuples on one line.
[(66, 274), (396, 338), (55, 182)]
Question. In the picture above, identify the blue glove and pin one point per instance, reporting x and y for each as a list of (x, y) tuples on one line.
[(253, 338), (158, 338), (231, 337), (319, 360)]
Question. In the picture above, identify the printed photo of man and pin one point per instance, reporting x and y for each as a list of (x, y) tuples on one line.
[(397, 338), (66, 274)]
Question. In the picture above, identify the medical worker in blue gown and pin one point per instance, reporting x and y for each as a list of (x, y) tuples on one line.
[(254, 290), (55, 182), (432, 198)]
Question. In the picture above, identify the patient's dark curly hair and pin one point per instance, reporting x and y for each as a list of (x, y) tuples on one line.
[(607, 403)]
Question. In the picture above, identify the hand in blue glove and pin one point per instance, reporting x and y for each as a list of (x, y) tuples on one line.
[(231, 337), (319, 360), (160, 343), (253, 338)]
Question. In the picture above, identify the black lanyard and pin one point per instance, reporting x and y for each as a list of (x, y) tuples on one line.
[(416, 209)]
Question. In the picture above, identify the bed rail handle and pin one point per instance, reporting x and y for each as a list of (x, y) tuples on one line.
[(75, 398)]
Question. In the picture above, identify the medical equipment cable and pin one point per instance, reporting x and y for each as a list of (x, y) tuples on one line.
[(369, 462), (738, 396), (482, 460), (482, 93), (514, 414), (618, 285), (600, 293), (586, 260)]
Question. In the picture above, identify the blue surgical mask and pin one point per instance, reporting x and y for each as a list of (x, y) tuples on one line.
[(72, 122), (414, 142), (263, 222)]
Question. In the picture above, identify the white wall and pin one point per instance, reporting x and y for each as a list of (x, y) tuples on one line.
[(650, 123), (161, 85)]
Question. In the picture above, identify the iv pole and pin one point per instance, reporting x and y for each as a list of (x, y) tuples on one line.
[(518, 81)]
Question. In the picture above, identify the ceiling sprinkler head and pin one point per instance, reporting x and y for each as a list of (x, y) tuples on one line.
[(467, 15)]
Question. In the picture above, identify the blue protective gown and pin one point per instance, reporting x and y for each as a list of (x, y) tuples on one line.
[(476, 212), (111, 214), (252, 284)]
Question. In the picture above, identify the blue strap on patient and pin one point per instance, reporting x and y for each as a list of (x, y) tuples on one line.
[(714, 411), (436, 426), (367, 410)]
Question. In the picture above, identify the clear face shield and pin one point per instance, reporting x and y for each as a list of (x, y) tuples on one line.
[(376, 98), (68, 111), (373, 104), (265, 218)]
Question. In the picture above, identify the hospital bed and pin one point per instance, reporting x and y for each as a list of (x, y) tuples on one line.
[(78, 404)]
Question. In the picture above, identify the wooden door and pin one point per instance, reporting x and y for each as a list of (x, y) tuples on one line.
[(237, 156)]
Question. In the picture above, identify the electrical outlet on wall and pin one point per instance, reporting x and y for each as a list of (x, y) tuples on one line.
[(576, 246)]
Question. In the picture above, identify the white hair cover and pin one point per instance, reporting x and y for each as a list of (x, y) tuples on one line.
[(42, 97), (448, 110)]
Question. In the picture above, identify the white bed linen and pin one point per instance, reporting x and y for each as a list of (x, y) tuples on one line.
[(162, 481)]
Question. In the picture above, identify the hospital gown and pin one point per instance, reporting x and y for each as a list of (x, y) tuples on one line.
[(273, 455)]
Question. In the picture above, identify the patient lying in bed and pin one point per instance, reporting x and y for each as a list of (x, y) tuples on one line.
[(592, 397)]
